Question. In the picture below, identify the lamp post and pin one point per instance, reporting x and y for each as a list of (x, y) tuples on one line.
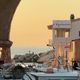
[(66, 59), (66, 47)]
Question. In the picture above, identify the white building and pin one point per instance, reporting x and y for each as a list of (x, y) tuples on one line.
[(64, 34)]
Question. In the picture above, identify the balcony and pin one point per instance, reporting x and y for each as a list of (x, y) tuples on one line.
[(61, 40)]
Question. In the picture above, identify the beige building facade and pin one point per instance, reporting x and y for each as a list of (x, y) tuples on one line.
[(66, 39)]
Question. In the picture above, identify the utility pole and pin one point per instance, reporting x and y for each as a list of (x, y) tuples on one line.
[(66, 59)]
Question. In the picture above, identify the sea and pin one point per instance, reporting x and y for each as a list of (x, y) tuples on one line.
[(22, 51)]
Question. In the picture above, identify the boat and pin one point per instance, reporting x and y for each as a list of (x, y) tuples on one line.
[(53, 74), (58, 75)]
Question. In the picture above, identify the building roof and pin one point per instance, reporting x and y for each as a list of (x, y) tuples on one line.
[(78, 19), (76, 39), (60, 24)]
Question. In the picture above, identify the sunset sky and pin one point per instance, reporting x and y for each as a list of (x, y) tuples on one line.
[(29, 25)]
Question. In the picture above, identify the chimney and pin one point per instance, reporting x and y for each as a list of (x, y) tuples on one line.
[(72, 17)]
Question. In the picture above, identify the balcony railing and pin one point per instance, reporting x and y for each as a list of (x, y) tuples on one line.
[(61, 40)]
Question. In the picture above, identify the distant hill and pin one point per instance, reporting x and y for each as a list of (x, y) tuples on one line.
[(22, 51), (26, 57)]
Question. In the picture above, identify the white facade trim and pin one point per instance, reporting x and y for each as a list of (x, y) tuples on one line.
[(61, 24)]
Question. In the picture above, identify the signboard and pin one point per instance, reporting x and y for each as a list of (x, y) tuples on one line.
[(61, 24), (67, 46)]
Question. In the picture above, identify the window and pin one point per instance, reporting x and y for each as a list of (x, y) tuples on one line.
[(55, 33), (66, 34)]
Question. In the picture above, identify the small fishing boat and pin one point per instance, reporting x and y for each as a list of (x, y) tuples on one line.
[(59, 75)]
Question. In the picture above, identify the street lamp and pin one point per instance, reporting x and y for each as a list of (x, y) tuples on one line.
[(67, 47)]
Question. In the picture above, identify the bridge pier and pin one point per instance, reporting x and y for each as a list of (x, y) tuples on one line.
[(5, 51)]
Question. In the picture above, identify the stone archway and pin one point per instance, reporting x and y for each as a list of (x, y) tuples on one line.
[(7, 10)]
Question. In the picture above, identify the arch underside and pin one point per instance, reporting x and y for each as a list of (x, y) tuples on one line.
[(7, 9)]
